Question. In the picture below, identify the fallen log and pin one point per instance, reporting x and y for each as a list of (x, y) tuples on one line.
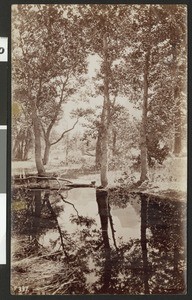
[(47, 186), (81, 185), (39, 178)]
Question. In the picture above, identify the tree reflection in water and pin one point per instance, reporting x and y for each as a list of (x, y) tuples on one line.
[(91, 260), (103, 209)]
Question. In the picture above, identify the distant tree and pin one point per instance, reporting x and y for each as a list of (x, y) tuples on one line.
[(21, 133)]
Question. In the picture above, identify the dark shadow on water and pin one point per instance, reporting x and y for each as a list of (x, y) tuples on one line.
[(94, 251)]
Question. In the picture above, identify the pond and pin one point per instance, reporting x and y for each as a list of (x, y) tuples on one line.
[(80, 241)]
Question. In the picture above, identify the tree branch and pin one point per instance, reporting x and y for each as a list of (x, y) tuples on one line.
[(66, 131), (53, 120), (69, 204)]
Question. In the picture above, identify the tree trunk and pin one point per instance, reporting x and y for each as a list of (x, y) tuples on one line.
[(177, 104), (98, 151), (46, 152), (17, 149), (28, 143), (178, 134), (143, 132), (105, 119), (37, 134), (104, 158), (22, 145), (177, 120)]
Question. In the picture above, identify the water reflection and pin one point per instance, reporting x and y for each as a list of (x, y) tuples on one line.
[(99, 244)]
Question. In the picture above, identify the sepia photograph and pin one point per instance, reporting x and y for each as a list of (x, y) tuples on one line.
[(99, 149)]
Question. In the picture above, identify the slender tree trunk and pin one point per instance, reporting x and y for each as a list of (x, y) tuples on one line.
[(16, 149), (37, 134), (98, 151), (143, 132), (105, 120), (177, 103), (46, 152), (28, 143), (177, 123), (22, 145), (17, 152), (178, 134), (104, 158)]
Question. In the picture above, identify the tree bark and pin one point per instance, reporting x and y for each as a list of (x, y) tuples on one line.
[(46, 152), (178, 133), (22, 145), (177, 103), (143, 131), (37, 134), (98, 151), (17, 149), (104, 158), (28, 143), (105, 120)]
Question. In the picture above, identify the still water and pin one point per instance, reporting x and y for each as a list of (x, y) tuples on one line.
[(111, 244)]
